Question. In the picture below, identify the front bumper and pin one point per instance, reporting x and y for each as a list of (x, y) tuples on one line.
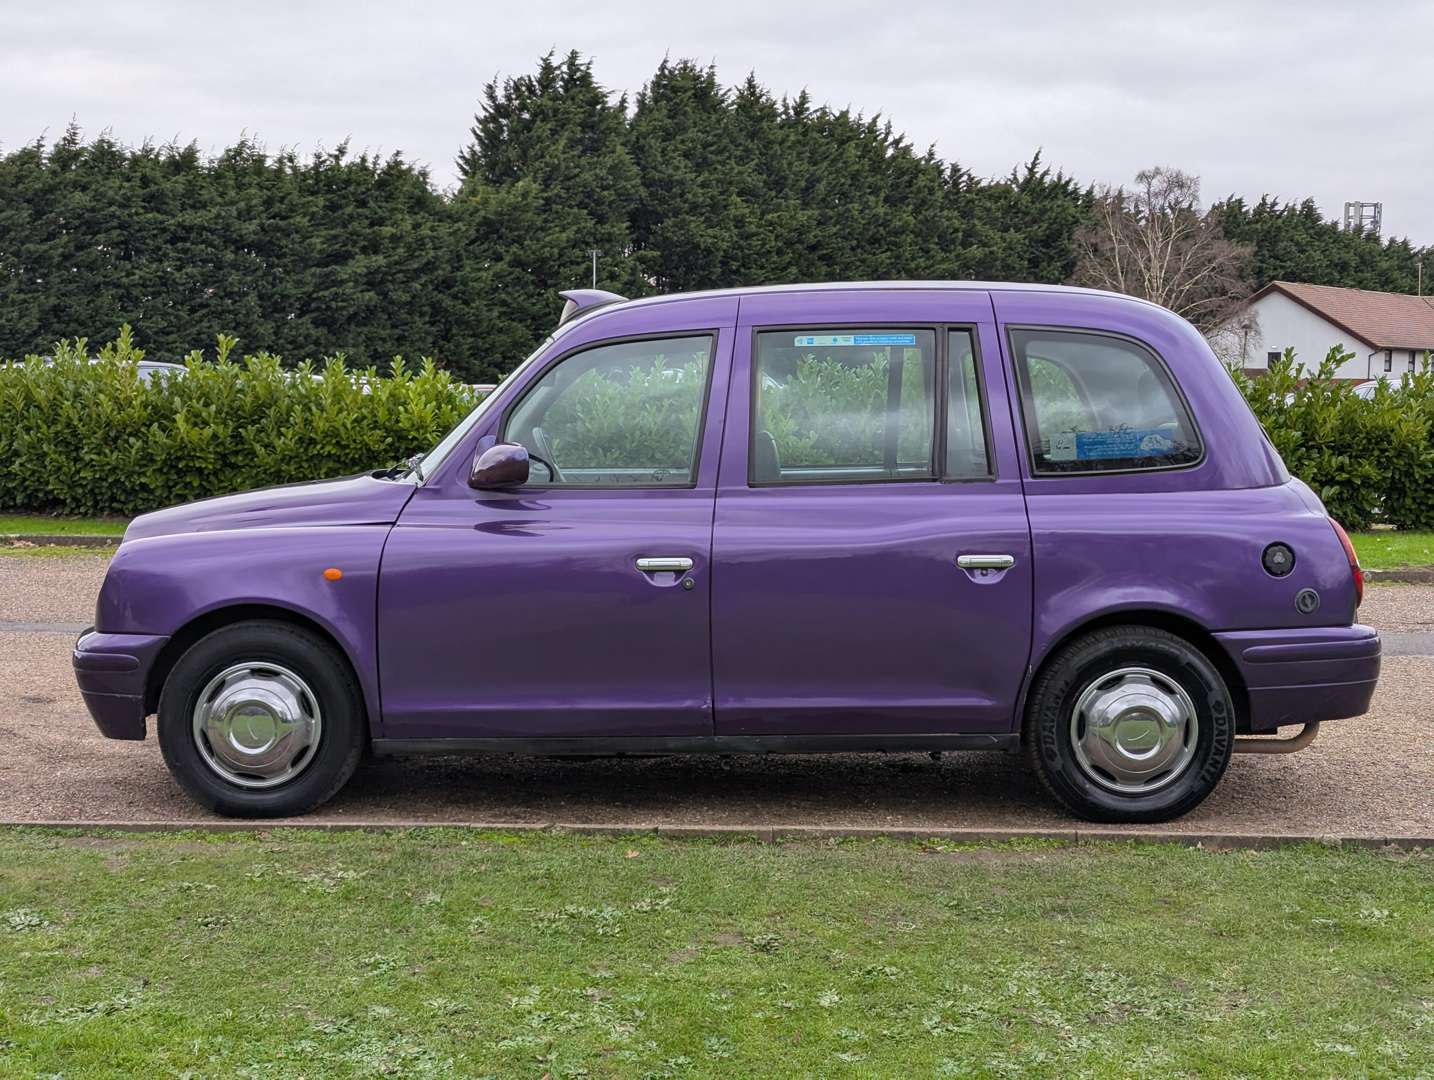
[(113, 670), (1299, 676)]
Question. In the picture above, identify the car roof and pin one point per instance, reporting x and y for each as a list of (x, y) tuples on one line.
[(610, 303)]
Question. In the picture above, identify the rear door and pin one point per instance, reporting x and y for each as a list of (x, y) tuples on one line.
[(871, 554)]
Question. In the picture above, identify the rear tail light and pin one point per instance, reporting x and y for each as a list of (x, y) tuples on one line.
[(1353, 561)]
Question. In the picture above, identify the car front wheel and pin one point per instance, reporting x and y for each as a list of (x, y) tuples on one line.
[(261, 719), (1129, 724)]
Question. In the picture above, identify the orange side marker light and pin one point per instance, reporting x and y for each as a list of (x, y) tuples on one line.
[(333, 573)]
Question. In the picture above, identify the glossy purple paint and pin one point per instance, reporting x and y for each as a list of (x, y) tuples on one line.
[(832, 609), (839, 607), (504, 465)]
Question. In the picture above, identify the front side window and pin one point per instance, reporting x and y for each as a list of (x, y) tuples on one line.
[(621, 415), (1095, 403), (835, 405)]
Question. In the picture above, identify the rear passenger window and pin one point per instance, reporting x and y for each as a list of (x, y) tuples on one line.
[(835, 405), (1095, 403)]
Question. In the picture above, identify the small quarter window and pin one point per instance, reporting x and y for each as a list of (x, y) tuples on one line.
[(1095, 403), (1388, 360), (619, 415), (966, 456), (1273, 357), (839, 405)]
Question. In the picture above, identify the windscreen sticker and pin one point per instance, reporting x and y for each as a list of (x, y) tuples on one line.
[(826, 340), (1063, 446), (1106, 445)]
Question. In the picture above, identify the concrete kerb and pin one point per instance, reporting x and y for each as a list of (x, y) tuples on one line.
[(1404, 575), (761, 833), (59, 540)]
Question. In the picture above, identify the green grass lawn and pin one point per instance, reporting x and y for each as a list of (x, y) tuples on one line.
[(41, 524), (434, 953), (52, 551), (1385, 549)]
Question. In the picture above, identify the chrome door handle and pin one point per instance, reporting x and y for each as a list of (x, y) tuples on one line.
[(677, 564), (985, 562)]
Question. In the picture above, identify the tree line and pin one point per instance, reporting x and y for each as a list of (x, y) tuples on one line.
[(692, 185)]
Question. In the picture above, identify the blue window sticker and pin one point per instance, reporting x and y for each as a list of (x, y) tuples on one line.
[(886, 339), (828, 340), (1107, 445)]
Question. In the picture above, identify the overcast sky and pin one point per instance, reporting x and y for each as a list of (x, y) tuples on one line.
[(1327, 98)]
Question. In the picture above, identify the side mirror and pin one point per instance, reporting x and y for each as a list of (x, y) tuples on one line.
[(503, 465)]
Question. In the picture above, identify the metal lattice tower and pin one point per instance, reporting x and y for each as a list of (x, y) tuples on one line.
[(1366, 218)]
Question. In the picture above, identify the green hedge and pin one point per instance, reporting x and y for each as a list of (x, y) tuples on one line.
[(92, 438), (830, 413), (1368, 460)]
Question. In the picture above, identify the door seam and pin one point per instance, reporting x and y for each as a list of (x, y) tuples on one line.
[(1017, 434), (712, 529)]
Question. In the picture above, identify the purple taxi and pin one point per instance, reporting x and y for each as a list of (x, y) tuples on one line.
[(888, 517)]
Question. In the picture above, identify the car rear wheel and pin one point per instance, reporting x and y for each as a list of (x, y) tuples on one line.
[(1129, 724), (261, 719)]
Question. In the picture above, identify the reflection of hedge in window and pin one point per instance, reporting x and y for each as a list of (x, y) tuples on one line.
[(626, 413), (1095, 403), (642, 416), (827, 407), (1058, 402)]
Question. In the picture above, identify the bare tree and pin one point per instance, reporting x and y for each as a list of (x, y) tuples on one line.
[(1155, 242), (1231, 340)]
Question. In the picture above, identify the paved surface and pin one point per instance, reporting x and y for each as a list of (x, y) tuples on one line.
[(1373, 776)]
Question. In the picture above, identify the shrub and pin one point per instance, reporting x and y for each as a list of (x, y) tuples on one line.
[(82, 437), (833, 413), (1367, 460), (645, 413)]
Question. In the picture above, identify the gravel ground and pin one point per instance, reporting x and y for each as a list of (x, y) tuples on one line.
[(59, 768)]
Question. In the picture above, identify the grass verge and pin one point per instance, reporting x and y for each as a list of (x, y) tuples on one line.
[(43, 525), (1386, 549), (51, 551), (433, 953)]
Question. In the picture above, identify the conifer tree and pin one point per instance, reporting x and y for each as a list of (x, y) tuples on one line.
[(549, 151)]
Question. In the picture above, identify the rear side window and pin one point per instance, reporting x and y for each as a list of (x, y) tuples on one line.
[(840, 405), (1095, 403)]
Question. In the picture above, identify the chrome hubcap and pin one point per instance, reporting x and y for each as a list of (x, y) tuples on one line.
[(257, 724), (1134, 730)]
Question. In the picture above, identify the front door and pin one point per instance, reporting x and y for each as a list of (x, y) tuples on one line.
[(576, 606), (871, 554)]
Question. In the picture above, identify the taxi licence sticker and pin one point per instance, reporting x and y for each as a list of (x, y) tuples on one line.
[(827, 340), (1109, 445)]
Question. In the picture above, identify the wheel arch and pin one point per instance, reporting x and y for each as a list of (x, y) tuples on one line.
[(1182, 626), (214, 619)]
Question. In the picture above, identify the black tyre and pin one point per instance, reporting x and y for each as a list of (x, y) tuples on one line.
[(1129, 724), (261, 719)]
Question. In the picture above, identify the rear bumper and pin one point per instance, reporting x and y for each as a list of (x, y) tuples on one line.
[(1303, 675), (112, 670)]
